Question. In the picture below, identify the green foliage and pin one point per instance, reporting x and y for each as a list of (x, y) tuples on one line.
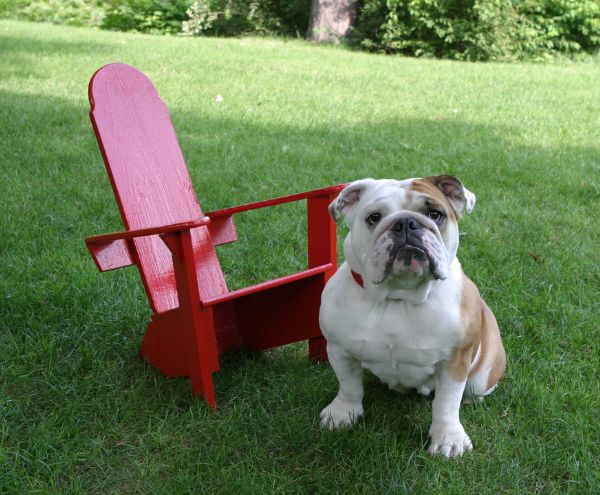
[(148, 16), (206, 17), (478, 29), (70, 12), (234, 17), (457, 29), (294, 16), (11, 8), (565, 25), (228, 18)]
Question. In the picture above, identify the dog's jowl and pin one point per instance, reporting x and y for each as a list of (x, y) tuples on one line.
[(402, 307)]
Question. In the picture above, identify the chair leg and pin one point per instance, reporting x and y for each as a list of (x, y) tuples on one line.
[(201, 355), (178, 344), (322, 248), (197, 324)]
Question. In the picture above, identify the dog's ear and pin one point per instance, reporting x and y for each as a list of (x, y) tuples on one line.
[(459, 197), (347, 199), (471, 199)]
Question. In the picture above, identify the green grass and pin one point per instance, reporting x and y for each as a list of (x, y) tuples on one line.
[(81, 413)]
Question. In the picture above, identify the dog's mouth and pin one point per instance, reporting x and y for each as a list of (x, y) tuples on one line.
[(405, 261), (409, 253)]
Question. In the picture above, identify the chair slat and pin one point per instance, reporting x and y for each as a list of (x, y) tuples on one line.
[(149, 178)]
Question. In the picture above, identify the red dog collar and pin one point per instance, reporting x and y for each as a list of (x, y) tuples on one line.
[(358, 278)]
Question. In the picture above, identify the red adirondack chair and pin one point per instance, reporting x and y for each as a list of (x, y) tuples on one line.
[(195, 317)]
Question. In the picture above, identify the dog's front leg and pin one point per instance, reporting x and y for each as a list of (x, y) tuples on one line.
[(447, 434), (347, 406)]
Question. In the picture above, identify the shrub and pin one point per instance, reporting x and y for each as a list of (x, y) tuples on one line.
[(148, 16), (293, 15), (12, 8), (478, 29), (565, 25), (212, 17), (228, 18), (459, 29), (70, 12), (235, 17)]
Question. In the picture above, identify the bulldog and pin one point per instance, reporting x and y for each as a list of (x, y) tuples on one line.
[(401, 306)]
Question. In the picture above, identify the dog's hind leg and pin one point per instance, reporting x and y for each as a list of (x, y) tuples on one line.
[(489, 363)]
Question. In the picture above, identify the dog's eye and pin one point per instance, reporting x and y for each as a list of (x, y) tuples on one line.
[(436, 215), (373, 218)]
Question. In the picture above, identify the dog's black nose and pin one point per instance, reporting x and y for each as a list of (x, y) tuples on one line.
[(406, 224)]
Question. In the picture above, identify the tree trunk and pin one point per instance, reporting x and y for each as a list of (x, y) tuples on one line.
[(330, 19)]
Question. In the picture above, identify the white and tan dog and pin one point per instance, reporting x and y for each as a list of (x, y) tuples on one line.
[(401, 306)]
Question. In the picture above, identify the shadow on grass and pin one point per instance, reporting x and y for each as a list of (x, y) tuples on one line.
[(19, 45), (80, 405), (56, 193), (24, 54)]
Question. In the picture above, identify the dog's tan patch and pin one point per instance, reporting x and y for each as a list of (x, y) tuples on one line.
[(494, 342), (481, 329), (427, 186), (460, 362), (471, 317)]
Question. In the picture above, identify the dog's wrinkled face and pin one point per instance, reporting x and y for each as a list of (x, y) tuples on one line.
[(403, 232)]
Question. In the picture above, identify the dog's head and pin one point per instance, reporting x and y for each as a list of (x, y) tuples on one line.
[(403, 232)]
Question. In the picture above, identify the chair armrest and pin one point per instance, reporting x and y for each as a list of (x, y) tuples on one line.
[(112, 251), (326, 191), (132, 234)]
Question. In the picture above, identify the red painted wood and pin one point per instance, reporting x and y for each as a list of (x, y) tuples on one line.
[(227, 328), (196, 323), (322, 245), (266, 285), (282, 314), (149, 177), (195, 317), (326, 191), (322, 248), (222, 230), (164, 344), (132, 234), (111, 255)]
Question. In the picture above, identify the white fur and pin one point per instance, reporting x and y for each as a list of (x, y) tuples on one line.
[(403, 330)]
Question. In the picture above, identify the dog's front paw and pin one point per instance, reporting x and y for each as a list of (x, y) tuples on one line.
[(449, 440), (340, 414)]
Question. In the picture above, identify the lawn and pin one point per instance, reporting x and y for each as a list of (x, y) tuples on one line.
[(80, 412)]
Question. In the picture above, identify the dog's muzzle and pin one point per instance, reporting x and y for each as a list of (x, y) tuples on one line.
[(406, 246)]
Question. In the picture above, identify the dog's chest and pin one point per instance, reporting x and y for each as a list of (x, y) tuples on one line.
[(399, 342), (402, 347)]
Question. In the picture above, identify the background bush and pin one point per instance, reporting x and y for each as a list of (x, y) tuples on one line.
[(565, 25), (147, 16), (478, 29), (193, 17), (87, 13), (11, 8), (458, 29), (235, 17)]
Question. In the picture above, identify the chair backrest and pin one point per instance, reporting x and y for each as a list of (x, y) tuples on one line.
[(149, 177)]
